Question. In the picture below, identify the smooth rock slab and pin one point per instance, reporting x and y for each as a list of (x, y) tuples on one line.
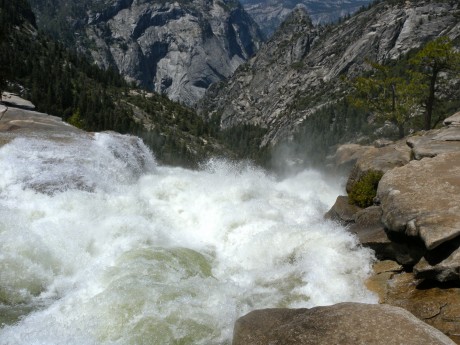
[(423, 199), (21, 122), (380, 159), (344, 324), (439, 306), (435, 142), (453, 120)]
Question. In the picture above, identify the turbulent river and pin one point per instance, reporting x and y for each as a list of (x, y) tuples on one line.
[(100, 245)]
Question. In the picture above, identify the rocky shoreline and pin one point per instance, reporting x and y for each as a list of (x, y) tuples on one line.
[(412, 224)]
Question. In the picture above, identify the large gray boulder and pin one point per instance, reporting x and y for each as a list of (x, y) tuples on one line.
[(346, 156), (422, 199), (344, 324)]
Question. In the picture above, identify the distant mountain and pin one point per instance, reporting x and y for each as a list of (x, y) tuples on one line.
[(66, 84), (269, 14), (293, 86), (174, 48)]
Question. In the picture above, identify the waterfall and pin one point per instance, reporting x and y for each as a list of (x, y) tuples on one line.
[(100, 245)]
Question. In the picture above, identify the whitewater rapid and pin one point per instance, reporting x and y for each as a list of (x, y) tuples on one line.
[(100, 245)]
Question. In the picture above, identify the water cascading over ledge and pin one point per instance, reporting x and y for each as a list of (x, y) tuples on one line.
[(99, 245)]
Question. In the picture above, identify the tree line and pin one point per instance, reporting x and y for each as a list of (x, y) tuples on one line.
[(414, 93)]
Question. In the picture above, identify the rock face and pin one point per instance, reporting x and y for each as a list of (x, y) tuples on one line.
[(269, 14), (417, 217), (379, 159), (345, 324), (342, 211), (423, 199), (437, 306), (297, 72), (176, 48), (21, 122), (435, 142), (346, 156)]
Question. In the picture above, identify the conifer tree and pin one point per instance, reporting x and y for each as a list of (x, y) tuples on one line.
[(401, 95), (434, 63)]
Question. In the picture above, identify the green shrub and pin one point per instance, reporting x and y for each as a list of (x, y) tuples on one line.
[(364, 191), (76, 120)]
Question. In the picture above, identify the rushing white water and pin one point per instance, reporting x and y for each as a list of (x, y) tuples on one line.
[(98, 245)]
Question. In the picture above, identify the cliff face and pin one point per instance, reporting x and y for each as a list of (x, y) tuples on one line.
[(174, 48), (269, 14), (299, 70)]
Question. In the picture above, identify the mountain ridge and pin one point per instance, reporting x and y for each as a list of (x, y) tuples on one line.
[(269, 14), (177, 49), (277, 92)]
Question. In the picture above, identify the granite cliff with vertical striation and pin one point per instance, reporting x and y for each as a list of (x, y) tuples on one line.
[(174, 48)]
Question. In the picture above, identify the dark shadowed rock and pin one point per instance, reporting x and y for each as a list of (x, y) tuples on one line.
[(344, 324), (442, 263), (342, 211), (371, 233)]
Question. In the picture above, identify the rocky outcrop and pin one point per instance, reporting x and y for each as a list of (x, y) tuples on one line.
[(416, 223), (422, 199), (417, 217), (269, 14), (9, 98), (174, 48), (18, 122), (435, 142), (346, 156), (380, 159), (256, 94), (344, 323), (297, 72), (342, 211), (439, 306)]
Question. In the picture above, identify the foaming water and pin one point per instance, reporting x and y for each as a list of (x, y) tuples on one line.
[(99, 245)]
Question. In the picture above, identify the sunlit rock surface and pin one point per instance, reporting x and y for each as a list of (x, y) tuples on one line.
[(345, 324)]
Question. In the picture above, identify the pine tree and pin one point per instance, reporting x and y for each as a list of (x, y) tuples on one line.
[(438, 57)]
